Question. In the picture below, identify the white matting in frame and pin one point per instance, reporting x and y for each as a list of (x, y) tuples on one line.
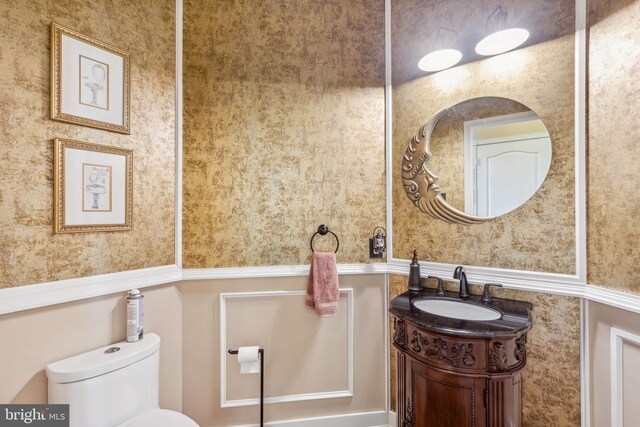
[(90, 82), (93, 187)]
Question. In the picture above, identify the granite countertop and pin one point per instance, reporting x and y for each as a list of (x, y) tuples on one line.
[(515, 319)]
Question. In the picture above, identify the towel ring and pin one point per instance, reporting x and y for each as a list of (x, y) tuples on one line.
[(323, 230)]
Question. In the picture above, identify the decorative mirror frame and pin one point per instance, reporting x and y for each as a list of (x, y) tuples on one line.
[(421, 185)]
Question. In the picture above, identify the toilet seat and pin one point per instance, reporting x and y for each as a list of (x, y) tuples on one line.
[(160, 418)]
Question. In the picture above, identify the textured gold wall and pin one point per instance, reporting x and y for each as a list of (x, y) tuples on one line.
[(540, 234), (284, 129), (551, 379), (613, 201), (29, 251)]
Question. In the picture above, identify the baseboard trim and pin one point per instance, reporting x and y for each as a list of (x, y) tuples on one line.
[(393, 419), (361, 419), (27, 297)]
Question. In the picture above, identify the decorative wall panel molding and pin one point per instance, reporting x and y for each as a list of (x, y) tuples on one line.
[(329, 394), (618, 339)]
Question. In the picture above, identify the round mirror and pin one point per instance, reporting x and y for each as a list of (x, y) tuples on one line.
[(477, 160)]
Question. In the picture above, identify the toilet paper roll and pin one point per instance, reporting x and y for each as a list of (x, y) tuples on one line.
[(249, 360)]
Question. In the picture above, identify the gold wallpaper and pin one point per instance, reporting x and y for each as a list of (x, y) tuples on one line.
[(540, 234), (29, 251), (283, 129), (613, 201), (551, 379)]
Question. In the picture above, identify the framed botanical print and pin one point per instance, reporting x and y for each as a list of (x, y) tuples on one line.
[(90, 82), (93, 187)]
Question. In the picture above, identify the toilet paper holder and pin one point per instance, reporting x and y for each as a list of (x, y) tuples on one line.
[(261, 355)]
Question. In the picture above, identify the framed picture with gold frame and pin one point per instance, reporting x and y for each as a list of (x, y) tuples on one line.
[(93, 187), (90, 81)]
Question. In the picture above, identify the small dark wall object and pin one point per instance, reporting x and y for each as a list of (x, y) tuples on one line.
[(372, 251), (378, 243)]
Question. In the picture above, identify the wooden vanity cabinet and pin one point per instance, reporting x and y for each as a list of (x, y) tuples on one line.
[(448, 381)]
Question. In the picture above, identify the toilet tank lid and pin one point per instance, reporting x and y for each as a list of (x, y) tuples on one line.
[(102, 360)]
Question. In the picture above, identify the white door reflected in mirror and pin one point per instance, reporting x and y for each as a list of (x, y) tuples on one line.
[(506, 160)]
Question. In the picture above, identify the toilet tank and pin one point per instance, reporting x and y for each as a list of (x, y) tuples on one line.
[(109, 385)]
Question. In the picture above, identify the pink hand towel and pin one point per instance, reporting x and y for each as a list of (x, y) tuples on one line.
[(323, 289)]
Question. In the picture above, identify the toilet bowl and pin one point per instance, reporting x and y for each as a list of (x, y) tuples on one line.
[(115, 385)]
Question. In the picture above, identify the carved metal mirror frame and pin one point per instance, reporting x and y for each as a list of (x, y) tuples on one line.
[(421, 185)]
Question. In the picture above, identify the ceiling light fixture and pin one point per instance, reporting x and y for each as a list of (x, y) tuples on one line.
[(500, 39), (445, 56), (439, 60)]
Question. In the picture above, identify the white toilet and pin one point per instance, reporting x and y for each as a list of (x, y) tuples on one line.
[(116, 385)]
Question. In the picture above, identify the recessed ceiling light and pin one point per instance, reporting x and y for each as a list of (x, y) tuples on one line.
[(502, 41), (440, 60)]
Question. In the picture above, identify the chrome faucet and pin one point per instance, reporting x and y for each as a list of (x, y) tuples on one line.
[(459, 274)]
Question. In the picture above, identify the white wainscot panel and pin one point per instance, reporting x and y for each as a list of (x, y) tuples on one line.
[(625, 377), (306, 357)]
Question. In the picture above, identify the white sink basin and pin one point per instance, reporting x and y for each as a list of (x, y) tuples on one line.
[(457, 309)]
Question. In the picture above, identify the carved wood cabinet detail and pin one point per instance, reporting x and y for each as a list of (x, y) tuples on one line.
[(446, 381)]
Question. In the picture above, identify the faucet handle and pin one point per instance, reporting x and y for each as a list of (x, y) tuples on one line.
[(486, 293), (440, 291)]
